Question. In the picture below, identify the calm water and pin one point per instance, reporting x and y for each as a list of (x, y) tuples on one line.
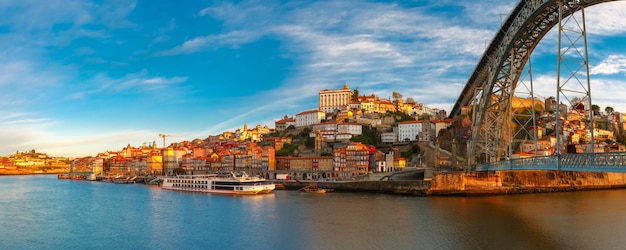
[(41, 212)]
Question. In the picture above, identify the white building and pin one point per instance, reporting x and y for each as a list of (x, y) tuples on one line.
[(389, 137), (332, 131), (331, 100), (350, 128), (409, 130), (308, 118)]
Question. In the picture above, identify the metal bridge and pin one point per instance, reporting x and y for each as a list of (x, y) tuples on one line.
[(504, 75)]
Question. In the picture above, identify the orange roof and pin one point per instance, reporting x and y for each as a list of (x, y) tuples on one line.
[(448, 120), (286, 120), (411, 122)]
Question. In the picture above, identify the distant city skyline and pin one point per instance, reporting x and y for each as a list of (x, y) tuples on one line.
[(82, 77)]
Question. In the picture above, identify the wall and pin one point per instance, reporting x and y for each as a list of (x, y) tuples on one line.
[(510, 182)]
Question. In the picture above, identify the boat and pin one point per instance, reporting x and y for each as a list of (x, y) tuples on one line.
[(218, 184), (91, 177), (121, 180), (64, 176), (314, 189)]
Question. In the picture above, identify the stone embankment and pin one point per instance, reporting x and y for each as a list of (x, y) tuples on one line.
[(520, 182), (415, 188), (480, 184)]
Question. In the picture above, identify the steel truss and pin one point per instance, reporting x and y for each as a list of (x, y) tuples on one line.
[(497, 74)]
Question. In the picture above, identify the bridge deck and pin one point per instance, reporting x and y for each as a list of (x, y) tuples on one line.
[(597, 162)]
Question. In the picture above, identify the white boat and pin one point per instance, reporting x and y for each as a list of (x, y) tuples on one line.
[(91, 177), (216, 184)]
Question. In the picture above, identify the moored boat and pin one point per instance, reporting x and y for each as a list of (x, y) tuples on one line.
[(231, 184), (314, 189), (65, 176)]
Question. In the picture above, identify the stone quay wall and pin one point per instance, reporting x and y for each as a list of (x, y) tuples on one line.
[(517, 182), (414, 188)]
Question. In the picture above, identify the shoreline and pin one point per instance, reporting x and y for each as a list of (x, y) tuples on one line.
[(459, 184)]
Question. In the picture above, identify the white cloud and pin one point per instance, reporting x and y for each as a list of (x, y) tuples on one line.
[(606, 18), (614, 64)]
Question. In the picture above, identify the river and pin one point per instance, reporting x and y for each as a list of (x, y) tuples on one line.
[(41, 212)]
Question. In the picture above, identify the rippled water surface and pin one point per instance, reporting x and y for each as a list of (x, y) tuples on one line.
[(41, 212)]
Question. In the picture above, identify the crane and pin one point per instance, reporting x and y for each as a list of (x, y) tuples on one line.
[(165, 136)]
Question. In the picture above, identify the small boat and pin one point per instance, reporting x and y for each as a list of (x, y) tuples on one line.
[(91, 177), (121, 180), (64, 176), (315, 189)]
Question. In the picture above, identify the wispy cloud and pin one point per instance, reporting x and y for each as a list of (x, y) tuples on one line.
[(198, 44), (141, 80)]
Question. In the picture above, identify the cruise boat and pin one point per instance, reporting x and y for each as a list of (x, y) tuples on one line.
[(217, 184)]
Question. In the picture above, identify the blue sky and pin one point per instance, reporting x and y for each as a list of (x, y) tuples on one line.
[(82, 77)]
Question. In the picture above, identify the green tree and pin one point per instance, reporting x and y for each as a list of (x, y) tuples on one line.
[(287, 150), (369, 136), (178, 171), (608, 110), (595, 109)]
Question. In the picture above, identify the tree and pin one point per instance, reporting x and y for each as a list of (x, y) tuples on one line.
[(355, 95), (410, 100), (396, 99), (424, 117), (287, 150), (465, 130), (595, 109), (305, 132), (178, 171), (608, 110)]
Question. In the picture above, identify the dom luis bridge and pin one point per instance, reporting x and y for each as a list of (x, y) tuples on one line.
[(504, 75)]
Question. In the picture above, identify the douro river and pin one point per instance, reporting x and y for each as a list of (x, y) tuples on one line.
[(41, 212)]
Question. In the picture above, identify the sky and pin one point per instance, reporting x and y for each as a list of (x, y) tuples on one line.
[(78, 77)]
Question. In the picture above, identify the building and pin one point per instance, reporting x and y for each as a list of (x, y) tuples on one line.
[(283, 124), (389, 137), (353, 158), (308, 118), (305, 163), (409, 130), (333, 131), (440, 124), (332, 100)]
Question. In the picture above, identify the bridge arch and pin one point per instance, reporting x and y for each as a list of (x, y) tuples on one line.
[(496, 75)]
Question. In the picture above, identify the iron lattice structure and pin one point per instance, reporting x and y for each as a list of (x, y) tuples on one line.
[(492, 85)]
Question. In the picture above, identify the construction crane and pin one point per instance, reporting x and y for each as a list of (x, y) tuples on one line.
[(165, 136)]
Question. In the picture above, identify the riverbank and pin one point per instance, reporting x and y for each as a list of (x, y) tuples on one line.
[(480, 184), (13, 170)]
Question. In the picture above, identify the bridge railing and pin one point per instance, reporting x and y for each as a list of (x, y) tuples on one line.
[(596, 162)]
